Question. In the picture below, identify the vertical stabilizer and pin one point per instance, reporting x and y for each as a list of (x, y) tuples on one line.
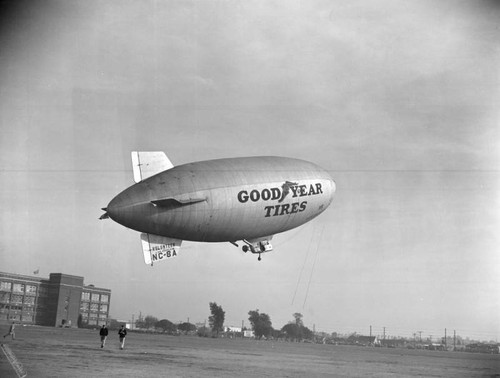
[(159, 248), (149, 163)]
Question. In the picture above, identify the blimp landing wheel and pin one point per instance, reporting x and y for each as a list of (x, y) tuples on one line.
[(245, 248), (259, 257)]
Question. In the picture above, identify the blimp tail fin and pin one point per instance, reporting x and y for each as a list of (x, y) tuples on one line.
[(148, 163), (159, 248)]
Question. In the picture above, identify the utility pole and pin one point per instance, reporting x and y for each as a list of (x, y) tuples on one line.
[(454, 339), (242, 332), (384, 333), (445, 342)]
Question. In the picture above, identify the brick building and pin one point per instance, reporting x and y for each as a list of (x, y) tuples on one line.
[(61, 300)]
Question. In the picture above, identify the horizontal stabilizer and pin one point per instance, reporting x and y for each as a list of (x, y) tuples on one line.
[(149, 163), (176, 202), (158, 248)]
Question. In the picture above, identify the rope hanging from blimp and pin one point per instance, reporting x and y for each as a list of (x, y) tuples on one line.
[(303, 265), (314, 264)]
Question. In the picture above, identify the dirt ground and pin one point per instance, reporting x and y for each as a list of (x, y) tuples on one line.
[(57, 352)]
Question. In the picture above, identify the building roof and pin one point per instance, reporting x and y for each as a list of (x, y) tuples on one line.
[(35, 279)]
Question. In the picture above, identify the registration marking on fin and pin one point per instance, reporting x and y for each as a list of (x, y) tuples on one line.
[(159, 248)]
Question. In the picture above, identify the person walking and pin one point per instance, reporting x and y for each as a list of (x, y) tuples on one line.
[(122, 332), (103, 332), (12, 331)]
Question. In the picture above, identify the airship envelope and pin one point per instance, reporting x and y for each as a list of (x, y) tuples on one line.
[(247, 199)]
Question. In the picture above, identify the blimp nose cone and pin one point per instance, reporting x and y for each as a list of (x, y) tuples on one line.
[(330, 187), (128, 207), (116, 207)]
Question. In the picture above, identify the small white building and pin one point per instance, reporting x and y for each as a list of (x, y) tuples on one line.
[(126, 323)]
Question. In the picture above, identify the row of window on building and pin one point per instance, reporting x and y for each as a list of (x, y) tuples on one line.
[(93, 307), (18, 288), (16, 298), (94, 297), (31, 290), (17, 301)]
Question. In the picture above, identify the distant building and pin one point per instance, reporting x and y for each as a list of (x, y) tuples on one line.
[(61, 300), (362, 340), (126, 323), (232, 329)]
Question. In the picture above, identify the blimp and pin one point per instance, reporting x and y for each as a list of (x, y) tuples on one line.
[(244, 200)]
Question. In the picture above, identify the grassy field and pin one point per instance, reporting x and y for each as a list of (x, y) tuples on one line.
[(57, 352)]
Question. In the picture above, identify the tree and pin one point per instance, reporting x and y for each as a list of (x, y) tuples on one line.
[(261, 324), (296, 330), (186, 327), (298, 319), (150, 321), (140, 324), (203, 332), (292, 331), (165, 325), (307, 333), (216, 320)]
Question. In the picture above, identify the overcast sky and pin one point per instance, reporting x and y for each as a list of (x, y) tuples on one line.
[(398, 100)]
